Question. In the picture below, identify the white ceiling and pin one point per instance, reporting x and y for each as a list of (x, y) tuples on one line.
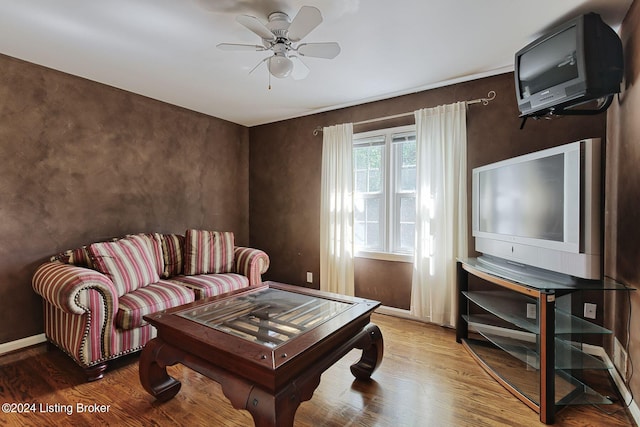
[(166, 49)]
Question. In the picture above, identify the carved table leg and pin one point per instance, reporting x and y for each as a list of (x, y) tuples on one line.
[(268, 410), (265, 408), (372, 352), (154, 359)]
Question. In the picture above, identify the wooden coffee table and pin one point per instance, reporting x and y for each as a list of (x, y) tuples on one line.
[(266, 345)]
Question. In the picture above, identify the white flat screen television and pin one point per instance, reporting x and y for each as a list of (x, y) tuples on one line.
[(542, 210)]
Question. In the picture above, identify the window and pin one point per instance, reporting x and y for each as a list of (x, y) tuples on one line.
[(385, 190)]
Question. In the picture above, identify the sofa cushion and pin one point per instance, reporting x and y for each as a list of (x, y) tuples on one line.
[(208, 285), (173, 254), (149, 299), (129, 263), (79, 257), (154, 242), (208, 252)]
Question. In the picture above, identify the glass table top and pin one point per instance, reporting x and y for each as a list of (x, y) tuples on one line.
[(269, 317)]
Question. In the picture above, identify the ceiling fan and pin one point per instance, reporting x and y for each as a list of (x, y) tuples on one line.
[(281, 36)]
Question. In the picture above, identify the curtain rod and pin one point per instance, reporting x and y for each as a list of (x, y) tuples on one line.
[(484, 101)]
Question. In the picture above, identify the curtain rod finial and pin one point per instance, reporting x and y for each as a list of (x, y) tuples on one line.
[(490, 97)]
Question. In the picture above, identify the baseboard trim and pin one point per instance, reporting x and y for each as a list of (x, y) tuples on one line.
[(12, 346), (393, 311), (617, 379)]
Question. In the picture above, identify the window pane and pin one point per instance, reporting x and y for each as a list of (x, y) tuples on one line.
[(367, 226), (373, 210), (408, 179), (407, 237), (375, 181), (373, 236), (361, 158), (359, 221), (373, 225), (358, 210), (408, 209), (368, 165), (361, 181), (376, 156), (405, 162), (409, 152), (406, 223)]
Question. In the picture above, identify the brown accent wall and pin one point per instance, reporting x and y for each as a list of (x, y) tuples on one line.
[(388, 281), (83, 162), (285, 174), (622, 237)]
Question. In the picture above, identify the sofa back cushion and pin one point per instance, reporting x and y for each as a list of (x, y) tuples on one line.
[(130, 262), (79, 257), (208, 252), (173, 255), (154, 243)]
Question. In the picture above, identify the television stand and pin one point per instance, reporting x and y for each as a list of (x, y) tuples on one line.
[(521, 330)]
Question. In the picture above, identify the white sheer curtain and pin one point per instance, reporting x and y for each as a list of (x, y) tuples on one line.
[(336, 210), (441, 199)]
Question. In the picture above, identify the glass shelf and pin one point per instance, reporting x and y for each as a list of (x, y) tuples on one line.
[(569, 324), (509, 306), (510, 369), (523, 347), (582, 395), (526, 380)]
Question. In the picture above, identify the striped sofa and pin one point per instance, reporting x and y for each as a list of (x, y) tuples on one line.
[(95, 297)]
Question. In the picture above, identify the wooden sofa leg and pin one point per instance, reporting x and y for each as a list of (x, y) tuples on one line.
[(96, 372)]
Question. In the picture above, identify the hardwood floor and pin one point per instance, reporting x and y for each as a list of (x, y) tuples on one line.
[(426, 379)]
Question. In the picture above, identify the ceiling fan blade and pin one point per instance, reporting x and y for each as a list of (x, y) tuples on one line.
[(305, 21), (319, 50), (254, 24), (259, 64), (300, 69), (236, 46)]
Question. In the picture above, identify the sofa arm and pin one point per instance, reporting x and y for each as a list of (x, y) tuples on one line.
[(252, 263), (64, 286)]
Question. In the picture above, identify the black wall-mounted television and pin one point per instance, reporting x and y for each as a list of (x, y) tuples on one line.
[(574, 63)]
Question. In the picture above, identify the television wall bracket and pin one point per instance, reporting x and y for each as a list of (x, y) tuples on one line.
[(569, 112)]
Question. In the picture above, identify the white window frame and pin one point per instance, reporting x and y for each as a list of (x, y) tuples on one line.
[(390, 209)]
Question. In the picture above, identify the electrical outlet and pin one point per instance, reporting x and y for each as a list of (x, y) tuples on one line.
[(532, 311), (309, 277), (590, 310)]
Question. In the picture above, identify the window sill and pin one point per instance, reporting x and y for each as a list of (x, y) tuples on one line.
[(385, 256)]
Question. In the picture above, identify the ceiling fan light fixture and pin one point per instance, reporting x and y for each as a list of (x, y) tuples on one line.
[(280, 66), (281, 35)]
